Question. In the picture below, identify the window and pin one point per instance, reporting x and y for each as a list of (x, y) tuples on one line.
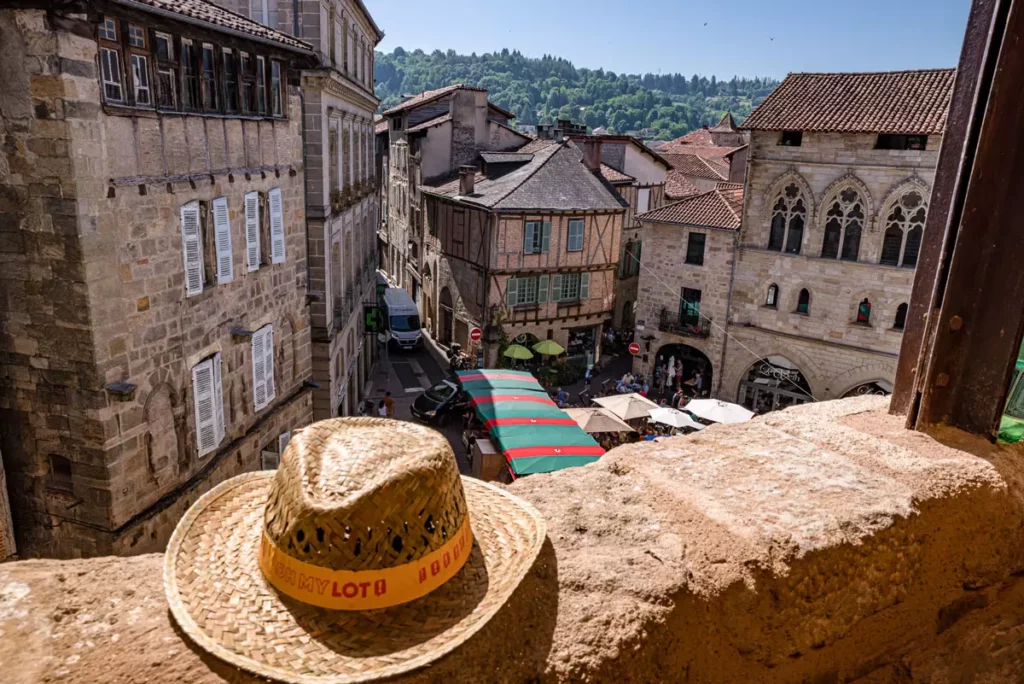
[(332, 157), (570, 287), (689, 307), (643, 200), (263, 367), (209, 79), (695, 249), (772, 299), (110, 63), (843, 223), (190, 79), (901, 317), (259, 11), (60, 474), (230, 81), (166, 72), (108, 29), (164, 47), (140, 77), (261, 86), (905, 219), (247, 77), (192, 248), (522, 291), (252, 231), (276, 101), (788, 217), (136, 36), (803, 302), (864, 312), (396, 123), (537, 237), (574, 242), (888, 141), (208, 396), (791, 138)]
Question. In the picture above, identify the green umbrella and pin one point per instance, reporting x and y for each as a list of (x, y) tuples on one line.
[(517, 351), (548, 348)]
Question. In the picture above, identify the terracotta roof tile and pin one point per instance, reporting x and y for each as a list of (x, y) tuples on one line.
[(218, 17), (701, 136), (678, 186), (697, 166), (614, 175), (380, 125), (430, 123), (720, 208), (882, 102), (726, 125), (428, 96)]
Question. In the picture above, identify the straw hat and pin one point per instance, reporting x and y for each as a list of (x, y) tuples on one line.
[(364, 556)]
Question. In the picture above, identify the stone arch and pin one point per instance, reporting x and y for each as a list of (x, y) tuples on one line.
[(848, 381), (789, 298), (876, 298), (773, 382), (761, 347), (848, 180), (162, 442), (775, 188), (892, 197)]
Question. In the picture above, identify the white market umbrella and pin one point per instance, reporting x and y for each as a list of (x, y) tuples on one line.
[(718, 411), (593, 420), (627, 406), (674, 418)]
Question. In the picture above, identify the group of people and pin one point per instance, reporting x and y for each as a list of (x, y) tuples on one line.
[(670, 379), (385, 408)]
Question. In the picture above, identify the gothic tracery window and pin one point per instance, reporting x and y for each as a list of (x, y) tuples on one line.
[(844, 222), (789, 215), (904, 230)]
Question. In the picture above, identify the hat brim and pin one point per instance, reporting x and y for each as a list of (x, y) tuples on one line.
[(220, 599)]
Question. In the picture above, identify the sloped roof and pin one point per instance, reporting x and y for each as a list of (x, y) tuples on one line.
[(219, 18), (555, 178), (880, 102), (643, 149), (428, 96), (615, 176), (726, 125), (719, 208), (506, 157), (380, 125), (701, 136), (697, 166), (678, 186), (430, 123)]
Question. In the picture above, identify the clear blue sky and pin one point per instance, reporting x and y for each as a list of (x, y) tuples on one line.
[(670, 35)]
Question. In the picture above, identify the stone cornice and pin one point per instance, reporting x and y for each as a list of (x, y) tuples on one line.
[(333, 86)]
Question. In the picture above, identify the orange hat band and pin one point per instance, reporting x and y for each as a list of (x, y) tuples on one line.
[(364, 589)]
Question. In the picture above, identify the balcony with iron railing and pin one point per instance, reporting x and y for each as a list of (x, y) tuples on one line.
[(691, 324)]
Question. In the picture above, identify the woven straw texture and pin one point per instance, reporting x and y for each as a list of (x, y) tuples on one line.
[(220, 599)]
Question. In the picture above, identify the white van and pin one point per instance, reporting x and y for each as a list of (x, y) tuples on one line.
[(402, 318)]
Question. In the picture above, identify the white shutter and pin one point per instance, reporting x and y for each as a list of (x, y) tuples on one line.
[(192, 248), (252, 231), (269, 460), (222, 239), (282, 441), (277, 255), (268, 366), (218, 398), (259, 374), (206, 415)]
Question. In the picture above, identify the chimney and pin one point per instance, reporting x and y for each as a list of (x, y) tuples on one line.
[(467, 177), (592, 154)]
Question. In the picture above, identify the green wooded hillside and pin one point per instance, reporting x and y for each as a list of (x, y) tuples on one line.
[(541, 90)]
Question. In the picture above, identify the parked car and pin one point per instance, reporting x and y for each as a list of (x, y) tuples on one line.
[(440, 403)]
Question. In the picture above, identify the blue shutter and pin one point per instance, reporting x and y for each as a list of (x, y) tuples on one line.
[(556, 288), (542, 289), (545, 239), (585, 286), (528, 237), (512, 292)]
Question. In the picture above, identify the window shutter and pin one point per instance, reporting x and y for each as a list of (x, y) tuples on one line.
[(528, 237), (268, 366), (192, 248), (542, 289), (218, 398), (252, 231), (585, 286), (259, 374), (222, 240), (206, 416), (282, 441), (277, 254), (622, 259), (545, 238), (556, 288), (512, 292), (269, 460)]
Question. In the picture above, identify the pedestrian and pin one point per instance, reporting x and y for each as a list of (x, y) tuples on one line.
[(382, 410), (562, 398), (389, 403), (699, 384), (588, 376)]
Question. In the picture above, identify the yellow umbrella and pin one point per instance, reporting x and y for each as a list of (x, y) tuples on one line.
[(518, 351), (548, 348)]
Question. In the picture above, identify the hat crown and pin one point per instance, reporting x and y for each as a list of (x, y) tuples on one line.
[(365, 494)]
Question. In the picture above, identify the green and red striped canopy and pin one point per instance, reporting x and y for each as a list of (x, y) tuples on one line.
[(532, 432)]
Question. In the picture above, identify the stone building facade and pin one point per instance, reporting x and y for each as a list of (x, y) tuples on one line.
[(341, 185), (837, 189), (155, 338), (527, 249), (683, 299)]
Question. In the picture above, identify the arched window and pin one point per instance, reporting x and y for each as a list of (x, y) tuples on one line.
[(803, 303), (788, 218), (772, 299), (843, 223), (904, 229), (864, 311), (901, 317)]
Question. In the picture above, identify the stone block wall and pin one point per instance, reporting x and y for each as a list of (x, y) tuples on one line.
[(96, 272)]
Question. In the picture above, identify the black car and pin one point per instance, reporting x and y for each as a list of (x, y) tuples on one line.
[(440, 403)]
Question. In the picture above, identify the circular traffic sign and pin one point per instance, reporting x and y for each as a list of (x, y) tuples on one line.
[(475, 334), (634, 348)]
